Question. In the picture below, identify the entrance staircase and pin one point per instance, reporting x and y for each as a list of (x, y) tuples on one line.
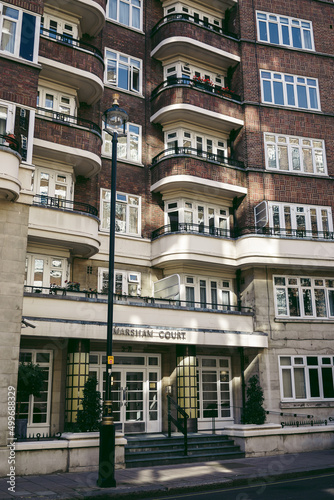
[(150, 450)]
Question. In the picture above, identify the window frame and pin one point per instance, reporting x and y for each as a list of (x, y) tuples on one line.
[(128, 278), (183, 136), (58, 95), (18, 42), (196, 283), (132, 64), (301, 362), (282, 21), (61, 28), (290, 146), (124, 141), (286, 88), (69, 183), (303, 288), (47, 269), (117, 18), (105, 227)]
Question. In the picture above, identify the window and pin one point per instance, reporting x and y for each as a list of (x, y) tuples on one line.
[(304, 297), (52, 183), (125, 282), (19, 33), (206, 292), (128, 12), (187, 215), (37, 409), (203, 18), (45, 271), (300, 220), (290, 90), (186, 72), (54, 103), (306, 377), (295, 154), (123, 71), (52, 25), (128, 147), (197, 143), (287, 31), (7, 117), (128, 213)]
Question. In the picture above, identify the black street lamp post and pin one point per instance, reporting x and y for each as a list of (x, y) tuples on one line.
[(115, 120)]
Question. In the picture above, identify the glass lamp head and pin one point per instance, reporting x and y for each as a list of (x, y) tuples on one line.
[(115, 118)]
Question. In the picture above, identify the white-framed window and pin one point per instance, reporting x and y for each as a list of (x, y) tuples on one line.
[(19, 33), (290, 90), (214, 388), (125, 282), (188, 215), (127, 12), (44, 271), (7, 118), (52, 25), (306, 377), (206, 292), (197, 143), (304, 297), (53, 183), (187, 72), (128, 146), (128, 213), (290, 219), (295, 154), (286, 31), (37, 409), (52, 100), (203, 18), (123, 71), (21, 120)]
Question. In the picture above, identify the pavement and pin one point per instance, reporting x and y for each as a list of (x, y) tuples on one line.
[(156, 481)]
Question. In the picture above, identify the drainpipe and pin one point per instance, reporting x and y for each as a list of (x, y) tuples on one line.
[(243, 384)]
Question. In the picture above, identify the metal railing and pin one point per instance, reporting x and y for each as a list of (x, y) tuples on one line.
[(217, 90), (57, 116), (203, 155), (9, 141), (179, 422), (72, 42), (284, 233), (74, 206), (189, 227), (182, 16)]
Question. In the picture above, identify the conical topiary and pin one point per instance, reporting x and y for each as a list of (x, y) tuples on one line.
[(254, 413), (88, 418)]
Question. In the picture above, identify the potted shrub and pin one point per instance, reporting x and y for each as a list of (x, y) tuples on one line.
[(30, 380), (88, 418), (254, 413)]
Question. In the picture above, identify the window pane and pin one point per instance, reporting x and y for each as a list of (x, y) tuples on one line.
[(293, 294), (320, 302), (287, 384), (314, 383), (8, 36), (271, 152), (263, 31), (313, 98), (291, 95), (319, 162), (331, 302), (135, 17), (283, 158), (278, 93), (133, 222), (124, 13), (307, 300), (295, 154), (327, 382), (267, 91), (120, 220), (273, 33), (307, 160), (302, 99), (123, 77), (299, 383), (113, 9), (281, 301), (296, 38)]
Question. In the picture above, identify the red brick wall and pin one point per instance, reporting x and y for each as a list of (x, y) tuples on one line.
[(18, 82)]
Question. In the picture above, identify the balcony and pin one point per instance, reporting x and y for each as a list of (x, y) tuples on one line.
[(183, 167), (68, 139), (64, 224), (181, 34), (72, 63), (196, 102), (139, 319), (91, 13)]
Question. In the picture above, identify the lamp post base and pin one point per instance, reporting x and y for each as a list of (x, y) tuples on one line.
[(106, 477)]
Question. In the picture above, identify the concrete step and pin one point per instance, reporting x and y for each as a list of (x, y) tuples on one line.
[(182, 459)]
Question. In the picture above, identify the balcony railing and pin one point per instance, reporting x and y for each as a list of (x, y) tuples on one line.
[(189, 227), (185, 227), (203, 155), (56, 116), (194, 20), (74, 206), (74, 292), (72, 42), (199, 85)]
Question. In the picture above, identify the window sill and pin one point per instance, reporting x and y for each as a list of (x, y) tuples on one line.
[(290, 108), (123, 91), (21, 61), (304, 320), (123, 160), (307, 404), (136, 30)]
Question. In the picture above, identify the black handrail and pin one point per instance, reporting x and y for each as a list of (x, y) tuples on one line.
[(74, 206), (9, 141), (198, 84), (284, 233), (73, 42), (182, 16), (177, 421), (189, 227), (56, 116), (185, 151)]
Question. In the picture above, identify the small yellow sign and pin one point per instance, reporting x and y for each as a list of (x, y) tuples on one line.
[(110, 360)]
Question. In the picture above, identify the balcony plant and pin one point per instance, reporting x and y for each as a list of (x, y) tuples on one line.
[(30, 381), (73, 286), (10, 141)]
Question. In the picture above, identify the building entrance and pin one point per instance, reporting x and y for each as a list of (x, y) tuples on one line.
[(136, 391)]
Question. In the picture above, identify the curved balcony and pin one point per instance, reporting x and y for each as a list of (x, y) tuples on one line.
[(188, 168), (182, 34), (68, 139), (64, 224), (92, 13), (10, 159), (185, 101), (72, 63)]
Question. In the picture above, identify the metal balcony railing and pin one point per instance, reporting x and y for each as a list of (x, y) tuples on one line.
[(74, 206), (72, 42), (190, 227), (203, 155), (284, 233), (182, 16), (198, 84), (9, 141), (57, 116)]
